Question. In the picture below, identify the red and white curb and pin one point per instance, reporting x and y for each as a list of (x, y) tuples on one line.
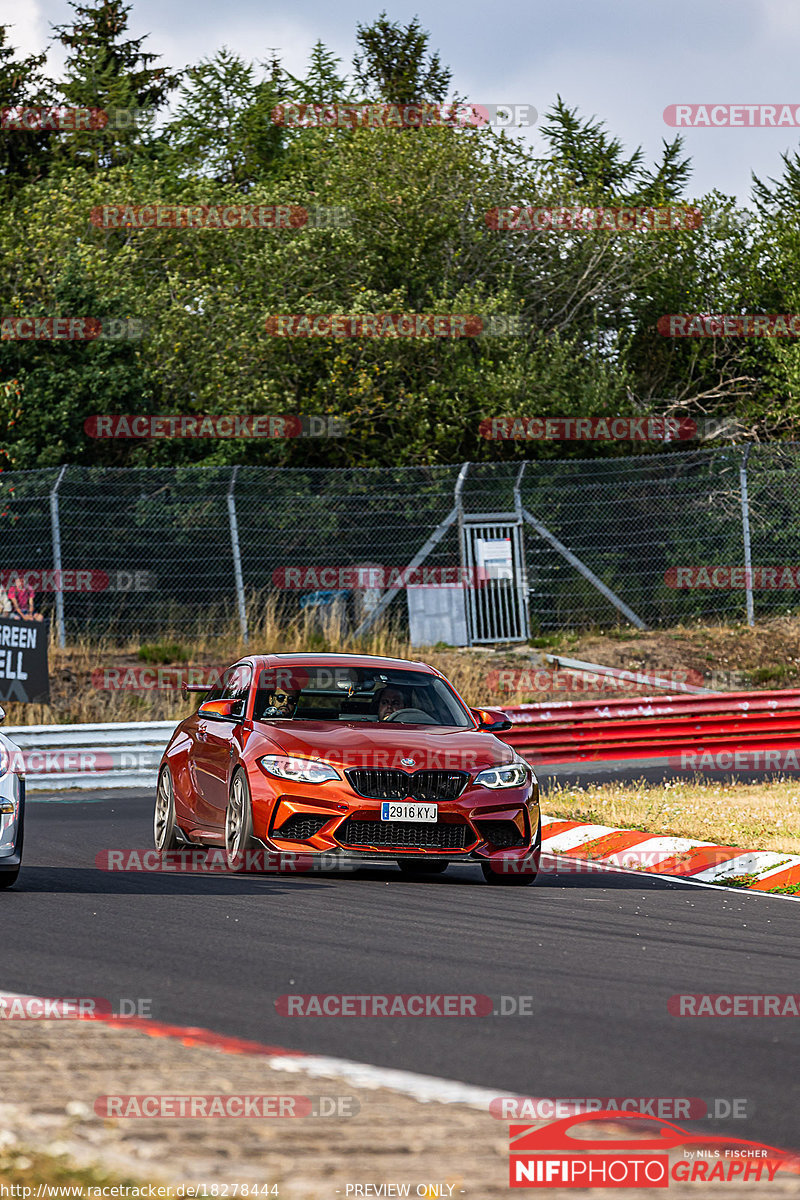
[(702, 862), (424, 1088)]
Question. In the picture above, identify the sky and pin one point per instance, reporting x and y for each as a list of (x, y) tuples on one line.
[(623, 61)]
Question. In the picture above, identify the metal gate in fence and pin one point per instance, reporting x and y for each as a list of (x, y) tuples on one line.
[(496, 593)]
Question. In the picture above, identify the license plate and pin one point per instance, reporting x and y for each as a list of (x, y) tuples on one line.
[(408, 812)]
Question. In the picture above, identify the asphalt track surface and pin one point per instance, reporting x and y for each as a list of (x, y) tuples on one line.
[(600, 954)]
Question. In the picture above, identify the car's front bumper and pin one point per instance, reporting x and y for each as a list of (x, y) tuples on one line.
[(12, 791), (476, 812)]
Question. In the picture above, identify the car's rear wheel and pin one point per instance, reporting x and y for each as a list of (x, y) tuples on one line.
[(421, 866), (238, 821), (164, 827)]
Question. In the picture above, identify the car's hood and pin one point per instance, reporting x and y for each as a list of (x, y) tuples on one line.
[(368, 745)]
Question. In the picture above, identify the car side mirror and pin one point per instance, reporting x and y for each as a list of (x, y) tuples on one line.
[(220, 708), (491, 720), (2, 714)]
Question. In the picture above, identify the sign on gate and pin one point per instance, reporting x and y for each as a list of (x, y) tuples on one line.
[(24, 675)]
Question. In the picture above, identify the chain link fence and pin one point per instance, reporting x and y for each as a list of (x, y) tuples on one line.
[(154, 551)]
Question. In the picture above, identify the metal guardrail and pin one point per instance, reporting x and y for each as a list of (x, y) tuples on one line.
[(113, 755), (656, 727), (117, 755)]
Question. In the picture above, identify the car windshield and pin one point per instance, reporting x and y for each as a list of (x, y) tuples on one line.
[(357, 694)]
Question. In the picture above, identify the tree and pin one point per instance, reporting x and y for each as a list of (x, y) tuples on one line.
[(222, 127), (106, 71), (394, 64), (590, 161), (25, 154)]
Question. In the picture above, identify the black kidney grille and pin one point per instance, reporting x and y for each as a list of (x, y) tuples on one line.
[(301, 826), (503, 834), (453, 835), (386, 784)]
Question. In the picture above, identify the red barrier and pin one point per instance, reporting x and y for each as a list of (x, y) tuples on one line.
[(655, 727)]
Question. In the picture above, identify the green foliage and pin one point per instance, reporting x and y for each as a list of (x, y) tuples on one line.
[(163, 652), (25, 155), (416, 240), (394, 63), (105, 71)]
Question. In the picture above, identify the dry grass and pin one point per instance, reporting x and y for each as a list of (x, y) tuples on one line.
[(76, 698), (757, 816)]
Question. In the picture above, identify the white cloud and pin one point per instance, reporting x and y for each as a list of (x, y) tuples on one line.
[(28, 31)]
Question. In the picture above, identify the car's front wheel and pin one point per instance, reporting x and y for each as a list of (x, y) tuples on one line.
[(164, 825), (238, 821), (421, 866)]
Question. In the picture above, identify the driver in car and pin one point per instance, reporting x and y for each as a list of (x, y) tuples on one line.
[(390, 701), (282, 703)]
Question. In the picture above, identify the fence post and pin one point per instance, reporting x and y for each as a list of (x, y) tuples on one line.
[(55, 528), (237, 557), (748, 571)]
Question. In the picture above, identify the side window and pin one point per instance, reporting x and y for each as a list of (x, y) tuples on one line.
[(237, 687)]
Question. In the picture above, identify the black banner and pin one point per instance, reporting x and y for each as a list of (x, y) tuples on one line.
[(23, 661)]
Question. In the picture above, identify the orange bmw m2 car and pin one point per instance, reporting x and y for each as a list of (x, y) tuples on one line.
[(362, 758)]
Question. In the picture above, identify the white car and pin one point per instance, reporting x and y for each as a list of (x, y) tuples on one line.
[(12, 809)]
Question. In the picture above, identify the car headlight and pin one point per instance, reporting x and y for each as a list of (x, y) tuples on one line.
[(302, 770), (514, 775)]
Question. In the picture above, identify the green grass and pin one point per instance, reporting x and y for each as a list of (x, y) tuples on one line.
[(163, 652), (29, 1168), (775, 674)]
